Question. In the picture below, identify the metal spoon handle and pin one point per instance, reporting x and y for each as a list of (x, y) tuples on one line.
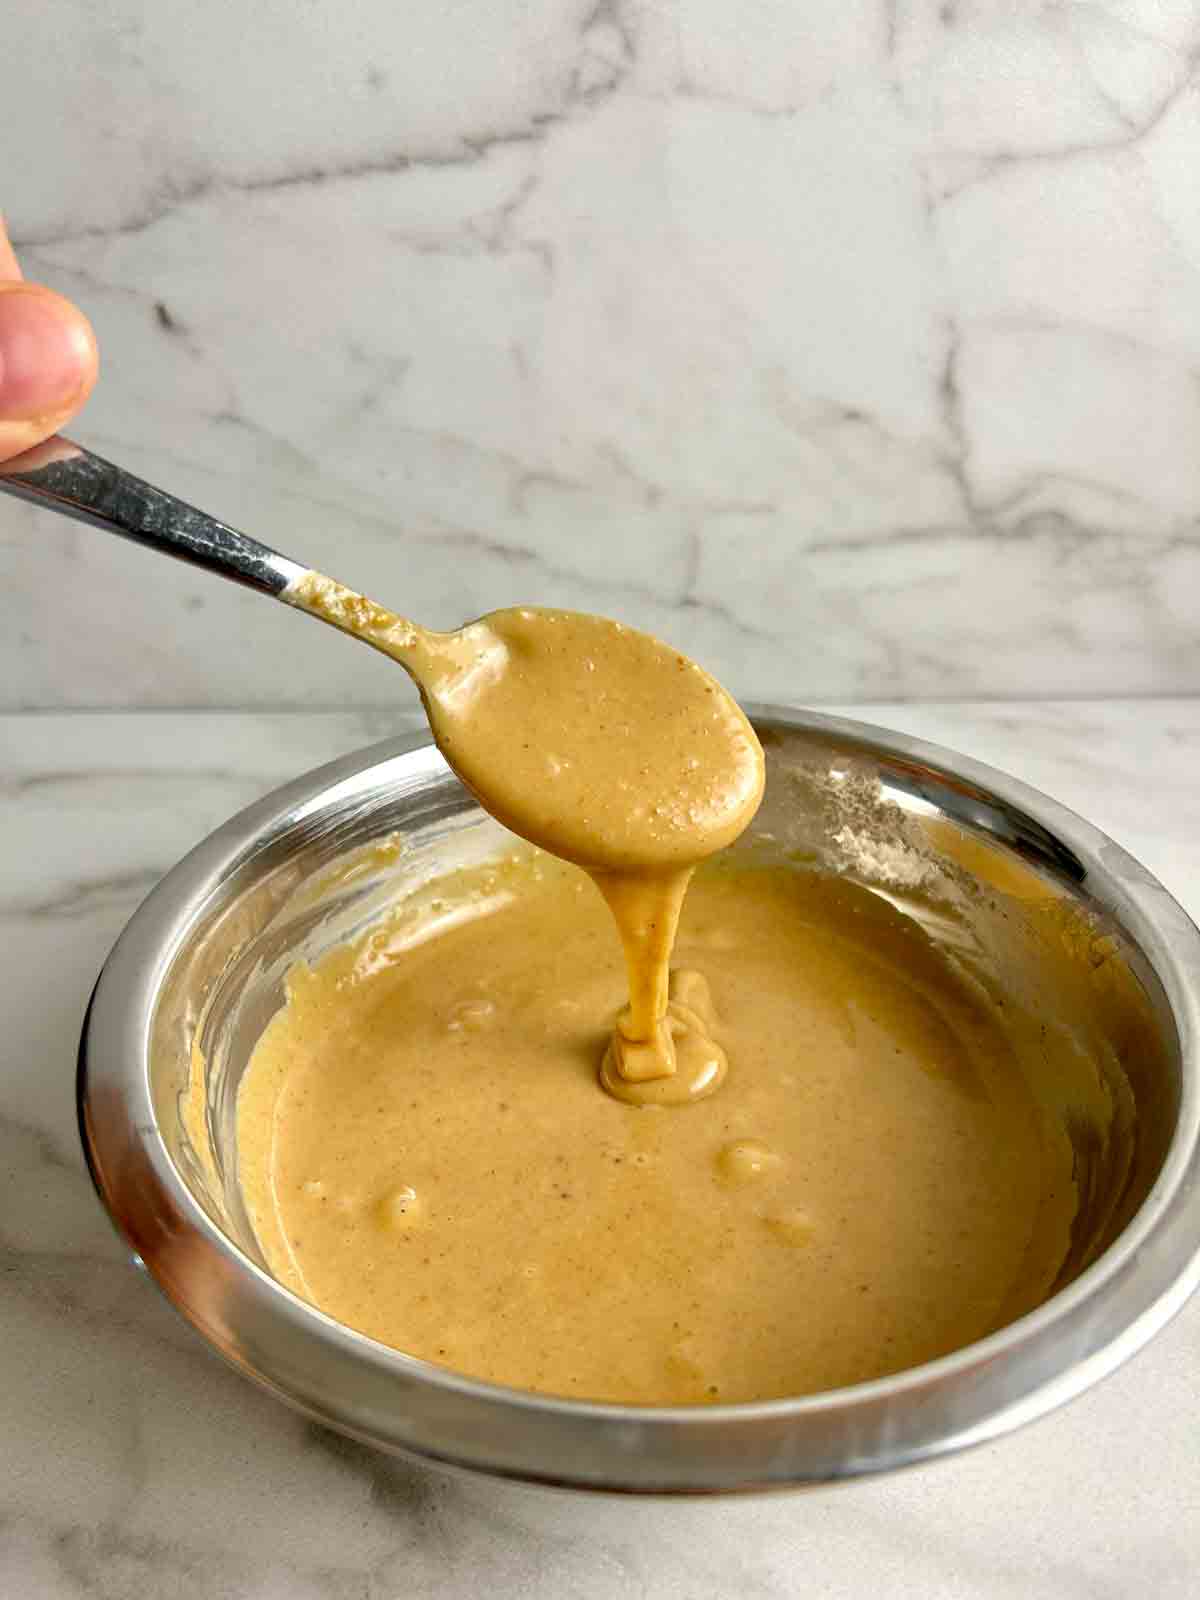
[(63, 477)]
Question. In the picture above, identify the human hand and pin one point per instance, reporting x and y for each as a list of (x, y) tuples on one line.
[(48, 358)]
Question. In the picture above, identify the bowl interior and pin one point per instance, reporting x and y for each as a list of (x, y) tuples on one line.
[(1000, 892)]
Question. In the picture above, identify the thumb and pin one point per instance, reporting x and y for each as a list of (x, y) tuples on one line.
[(48, 364)]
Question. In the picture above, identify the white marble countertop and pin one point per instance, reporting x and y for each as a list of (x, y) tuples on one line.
[(133, 1463)]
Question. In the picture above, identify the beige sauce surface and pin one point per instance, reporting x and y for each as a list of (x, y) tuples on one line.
[(607, 748), (424, 1153)]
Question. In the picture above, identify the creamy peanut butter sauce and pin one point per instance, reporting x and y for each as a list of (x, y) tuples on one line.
[(422, 1148), (605, 747), (424, 1153)]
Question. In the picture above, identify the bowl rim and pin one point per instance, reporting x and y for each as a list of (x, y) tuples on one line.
[(1058, 1349)]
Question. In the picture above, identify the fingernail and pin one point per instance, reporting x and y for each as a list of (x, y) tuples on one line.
[(46, 351)]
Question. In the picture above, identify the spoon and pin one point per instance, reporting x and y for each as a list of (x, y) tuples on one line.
[(562, 691), (595, 741)]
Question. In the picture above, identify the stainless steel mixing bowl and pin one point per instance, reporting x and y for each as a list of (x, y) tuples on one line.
[(1007, 880)]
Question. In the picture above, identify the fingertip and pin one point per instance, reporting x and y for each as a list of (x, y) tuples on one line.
[(48, 355)]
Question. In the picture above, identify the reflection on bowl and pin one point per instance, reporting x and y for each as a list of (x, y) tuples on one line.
[(1005, 879)]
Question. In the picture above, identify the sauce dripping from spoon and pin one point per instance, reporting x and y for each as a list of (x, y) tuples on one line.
[(607, 748)]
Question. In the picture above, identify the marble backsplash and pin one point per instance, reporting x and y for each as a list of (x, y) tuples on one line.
[(854, 347)]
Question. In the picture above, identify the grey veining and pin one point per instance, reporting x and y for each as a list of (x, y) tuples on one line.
[(855, 348), (131, 1462)]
